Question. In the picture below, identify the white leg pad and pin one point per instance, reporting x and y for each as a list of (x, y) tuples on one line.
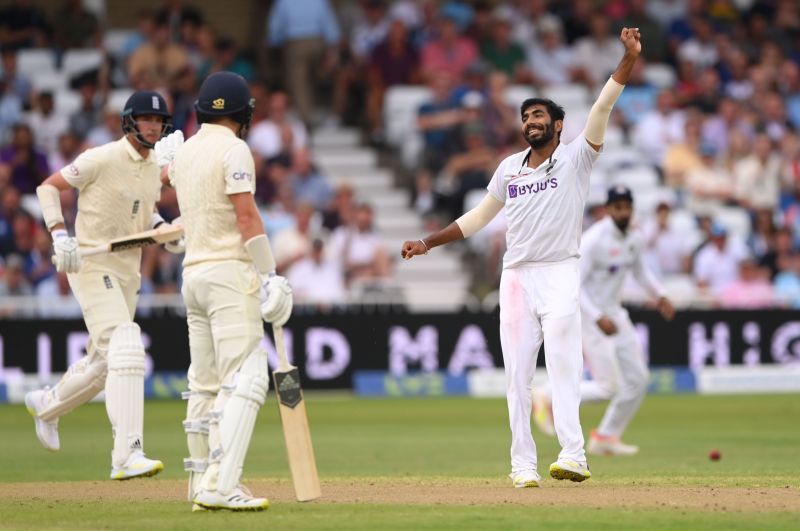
[(234, 425), (82, 381), (196, 427), (125, 391)]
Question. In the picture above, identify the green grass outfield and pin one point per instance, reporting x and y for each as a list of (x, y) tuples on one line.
[(436, 463)]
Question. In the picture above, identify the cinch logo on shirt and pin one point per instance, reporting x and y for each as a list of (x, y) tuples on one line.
[(515, 190), (242, 176)]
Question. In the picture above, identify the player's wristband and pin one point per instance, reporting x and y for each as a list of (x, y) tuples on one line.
[(156, 220)]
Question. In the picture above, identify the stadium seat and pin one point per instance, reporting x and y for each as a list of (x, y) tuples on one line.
[(659, 74), (118, 97), (640, 178), (67, 102), (81, 60), (736, 220), (34, 62), (115, 39), (570, 96), (49, 80), (516, 94), (400, 111)]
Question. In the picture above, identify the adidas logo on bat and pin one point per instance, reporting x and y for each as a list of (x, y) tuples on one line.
[(289, 384)]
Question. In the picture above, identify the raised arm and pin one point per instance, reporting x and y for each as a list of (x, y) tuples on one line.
[(595, 130), (464, 227)]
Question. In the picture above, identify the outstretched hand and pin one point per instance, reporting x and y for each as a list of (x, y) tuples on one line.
[(412, 248), (631, 38)]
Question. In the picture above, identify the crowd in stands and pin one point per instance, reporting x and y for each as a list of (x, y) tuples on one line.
[(712, 114)]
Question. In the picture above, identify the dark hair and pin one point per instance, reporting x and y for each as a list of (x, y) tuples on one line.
[(555, 110)]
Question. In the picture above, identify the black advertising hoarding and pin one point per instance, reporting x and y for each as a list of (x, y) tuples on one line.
[(329, 347)]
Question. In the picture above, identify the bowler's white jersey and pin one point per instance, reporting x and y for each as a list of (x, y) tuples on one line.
[(544, 205), (607, 255)]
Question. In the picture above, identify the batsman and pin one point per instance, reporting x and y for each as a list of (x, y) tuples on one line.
[(118, 186), (229, 285)]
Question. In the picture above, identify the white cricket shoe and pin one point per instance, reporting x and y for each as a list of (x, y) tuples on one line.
[(571, 470), (526, 479), (543, 413), (240, 499), (47, 432), (137, 466), (607, 445)]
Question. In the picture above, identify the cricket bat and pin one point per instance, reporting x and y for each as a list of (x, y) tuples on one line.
[(296, 434), (163, 234)]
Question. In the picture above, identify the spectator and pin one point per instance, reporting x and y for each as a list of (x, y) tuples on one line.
[(550, 60), (436, 120), (501, 52), (176, 15), (665, 250), (758, 176), (501, 119), (93, 102), (787, 282), (597, 54), (448, 53), (776, 258), (578, 20), (308, 184), (683, 155), (158, 61), (317, 279), (292, 244), (48, 124), (145, 26), (10, 111), (762, 235), (69, 147), (227, 57), (710, 184), (738, 84), (22, 25), (361, 249), (304, 29), (700, 49), (728, 121), (56, 300), (340, 210), (14, 284), (107, 130), (15, 82), (28, 165), (75, 27), (10, 202), (653, 39), (638, 100), (716, 265), (423, 199), (751, 290), (393, 62), (267, 136)]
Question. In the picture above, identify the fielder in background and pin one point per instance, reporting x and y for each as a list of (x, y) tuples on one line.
[(543, 190), (229, 285), (119, 184), (609, 250)]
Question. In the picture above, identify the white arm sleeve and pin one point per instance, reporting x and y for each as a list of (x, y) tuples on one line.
[(595, 130), (260, 252), (588, 307), (480, 216), (50, 201)]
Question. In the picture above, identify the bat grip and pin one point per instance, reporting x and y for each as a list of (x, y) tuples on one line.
[(280, 347), (91, 251)]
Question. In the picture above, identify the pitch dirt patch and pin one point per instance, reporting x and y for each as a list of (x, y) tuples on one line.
[(403, 491)]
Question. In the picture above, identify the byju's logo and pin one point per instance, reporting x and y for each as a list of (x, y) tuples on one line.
[(515, 190)]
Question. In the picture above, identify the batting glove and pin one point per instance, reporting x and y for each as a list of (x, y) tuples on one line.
[(176, 246), (276, 299), (166, 148), (67, 257)]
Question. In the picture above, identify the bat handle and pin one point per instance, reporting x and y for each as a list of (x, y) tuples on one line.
[(280, 347)]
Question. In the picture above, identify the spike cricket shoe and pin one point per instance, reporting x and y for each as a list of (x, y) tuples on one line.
[(137, 466), (543, 413), (47, 432), (526, 479), (609, 445), (571, 470), (240, 499)]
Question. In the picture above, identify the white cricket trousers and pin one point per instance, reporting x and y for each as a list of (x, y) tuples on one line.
[(539, 302), (223, 313), (618, 369)]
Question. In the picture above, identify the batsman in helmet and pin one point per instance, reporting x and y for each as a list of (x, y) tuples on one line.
[(229, 285), (118, 185)]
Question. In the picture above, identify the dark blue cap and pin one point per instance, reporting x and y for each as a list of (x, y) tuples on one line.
[(619, 193)]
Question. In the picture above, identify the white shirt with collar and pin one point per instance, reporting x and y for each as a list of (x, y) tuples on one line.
[(607, 255), (544, 205)]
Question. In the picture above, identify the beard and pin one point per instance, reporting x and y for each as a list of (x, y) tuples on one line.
[(547, 136), (622, 224)]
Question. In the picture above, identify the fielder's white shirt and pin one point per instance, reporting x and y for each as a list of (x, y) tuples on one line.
[(118, 190), (209, 167), (544, 205), (607, 255)]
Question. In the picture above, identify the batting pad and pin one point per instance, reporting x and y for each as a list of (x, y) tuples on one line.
[(239, 418), (196, 427), (125, 391), (82, 381)]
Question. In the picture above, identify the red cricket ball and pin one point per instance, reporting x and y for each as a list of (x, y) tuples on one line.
[(714, 455)]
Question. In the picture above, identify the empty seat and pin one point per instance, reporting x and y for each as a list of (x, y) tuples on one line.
[(79, 61), (49, 81), (516, 94), (34, 61), (67, 102), (736, 220), (569, 96), (400, 108), (659, 74), (117, 98)]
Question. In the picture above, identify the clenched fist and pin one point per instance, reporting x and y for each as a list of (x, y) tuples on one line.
[(166, 148), (413, 248)]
